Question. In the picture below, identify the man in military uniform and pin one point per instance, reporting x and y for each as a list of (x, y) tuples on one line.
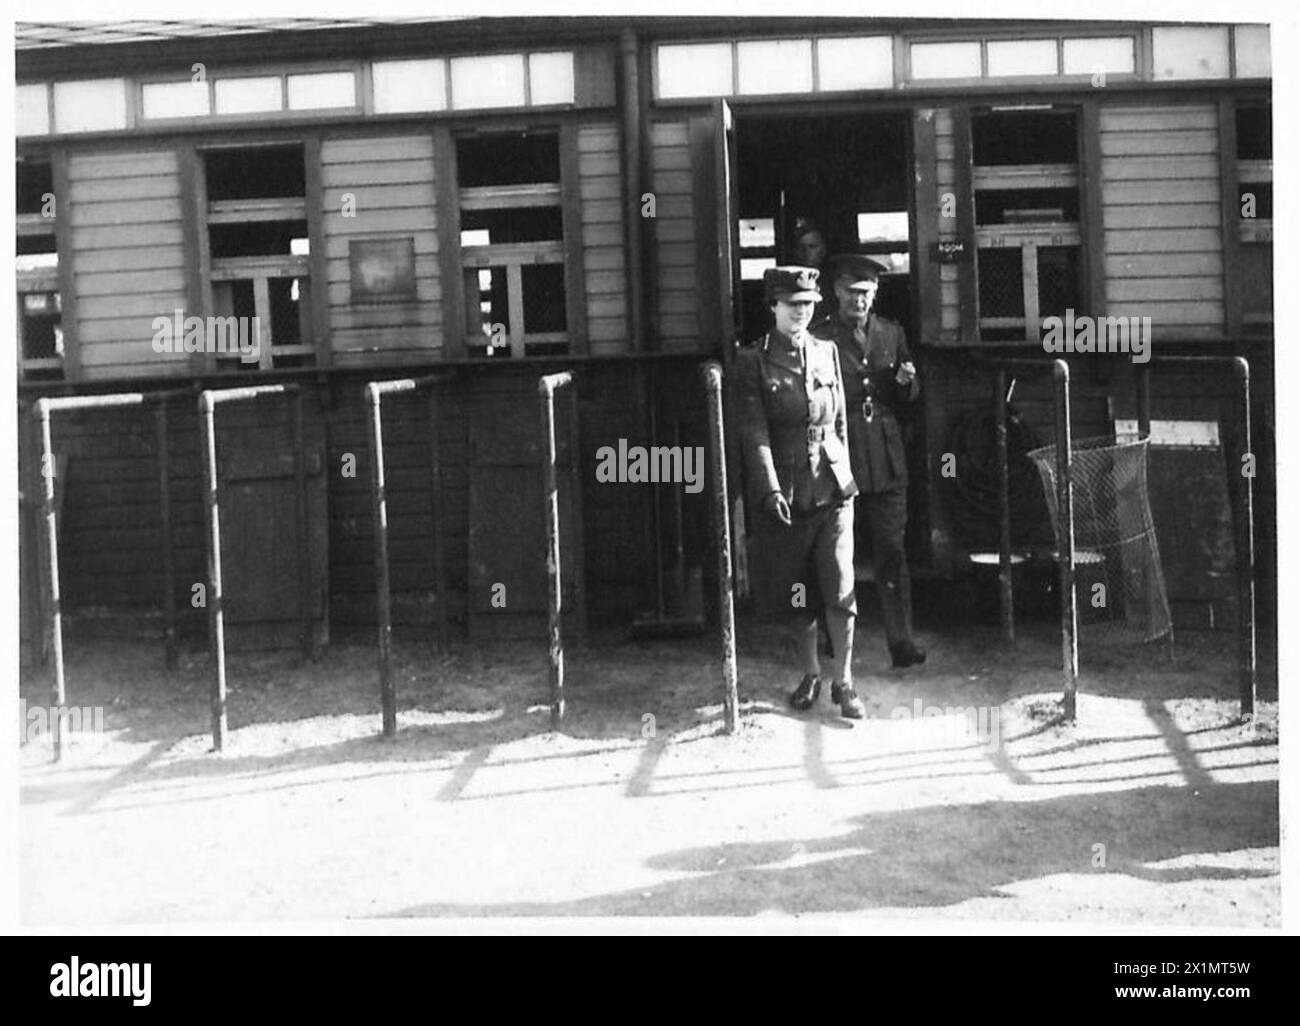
[(788, 406), (879, 378)]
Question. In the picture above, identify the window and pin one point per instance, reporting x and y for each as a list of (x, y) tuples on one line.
[(1255, 210), (1251, 49), (258, 245), (1026, 184), (1189, 51), (32, 109), (401, 86), (764, 67), (494, 81), (693, 69), (774, 66), (1008, 57), (1107, 55), (946, 60), (247, 94), (885, 235), (864, 62), (94, 106), (186, 99), (757, 247), (512, 244), (40, 306)]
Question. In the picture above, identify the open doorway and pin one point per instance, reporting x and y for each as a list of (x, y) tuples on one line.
[(848, 173)]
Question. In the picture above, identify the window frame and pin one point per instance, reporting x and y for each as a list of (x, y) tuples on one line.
[(360, 82), (1238, 232), (458, 261), (46, 280), (259, 269), (1028, 237)]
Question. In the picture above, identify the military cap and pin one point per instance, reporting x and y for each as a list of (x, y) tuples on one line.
[(791, 284), (862, 269)]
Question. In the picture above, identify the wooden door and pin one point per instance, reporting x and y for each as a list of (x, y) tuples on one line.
[(273, 541), (507, 525)]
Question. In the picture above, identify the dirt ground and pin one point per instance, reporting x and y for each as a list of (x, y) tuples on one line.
[(1155, 807)]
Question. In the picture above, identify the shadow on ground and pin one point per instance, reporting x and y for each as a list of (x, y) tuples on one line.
[(941, 856)]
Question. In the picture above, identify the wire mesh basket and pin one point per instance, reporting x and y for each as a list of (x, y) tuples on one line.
[(1118, 580)]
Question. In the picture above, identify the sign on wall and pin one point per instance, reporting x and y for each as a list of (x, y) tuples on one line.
[(382, 269)]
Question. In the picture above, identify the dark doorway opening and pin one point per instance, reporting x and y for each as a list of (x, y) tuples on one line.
[(849, 174)]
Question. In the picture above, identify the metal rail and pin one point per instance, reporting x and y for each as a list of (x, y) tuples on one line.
[(375, 392), (43, 410), (712, 374), (547, 386), (1241, 495), (208, 402), (1065, 513)]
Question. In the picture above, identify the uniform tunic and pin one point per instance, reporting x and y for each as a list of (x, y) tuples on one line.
[(876, 445), (789, 412), (877, 456)]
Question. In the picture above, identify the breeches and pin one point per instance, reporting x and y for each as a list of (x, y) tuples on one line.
[(806, 569), (882, 520)]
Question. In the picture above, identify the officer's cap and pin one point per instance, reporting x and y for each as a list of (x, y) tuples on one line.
[(792, 284), (861, 269)]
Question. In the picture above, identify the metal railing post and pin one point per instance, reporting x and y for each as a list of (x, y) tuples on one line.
[(216, 621), (1244, 533), (712, 374), (546, 388), (439, 555), (383, 595), (305, 575), (1065, 508), (58, 689), (165, 522), (208, 402), (1005, 594), (375, 392)]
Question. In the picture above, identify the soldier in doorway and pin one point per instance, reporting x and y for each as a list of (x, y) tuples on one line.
[(788, 405), (879, 378), (808, 248)]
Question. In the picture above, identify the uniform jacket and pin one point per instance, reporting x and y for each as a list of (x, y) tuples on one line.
[(875, 446), (790, 417)]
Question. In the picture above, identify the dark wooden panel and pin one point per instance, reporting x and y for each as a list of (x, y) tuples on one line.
[(1230, 213), (925, 225), (966, 284), (507, 532)]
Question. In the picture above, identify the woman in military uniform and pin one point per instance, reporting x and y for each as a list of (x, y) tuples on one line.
[(789, 411), (879, 379)]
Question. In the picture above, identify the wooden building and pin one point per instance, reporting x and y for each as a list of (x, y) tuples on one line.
[(502, 197)]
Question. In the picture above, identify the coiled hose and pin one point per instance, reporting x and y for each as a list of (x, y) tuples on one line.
[(971, 496)]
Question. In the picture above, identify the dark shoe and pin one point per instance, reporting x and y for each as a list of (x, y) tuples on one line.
[(803, 697), (847, 699), (906, 653)]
